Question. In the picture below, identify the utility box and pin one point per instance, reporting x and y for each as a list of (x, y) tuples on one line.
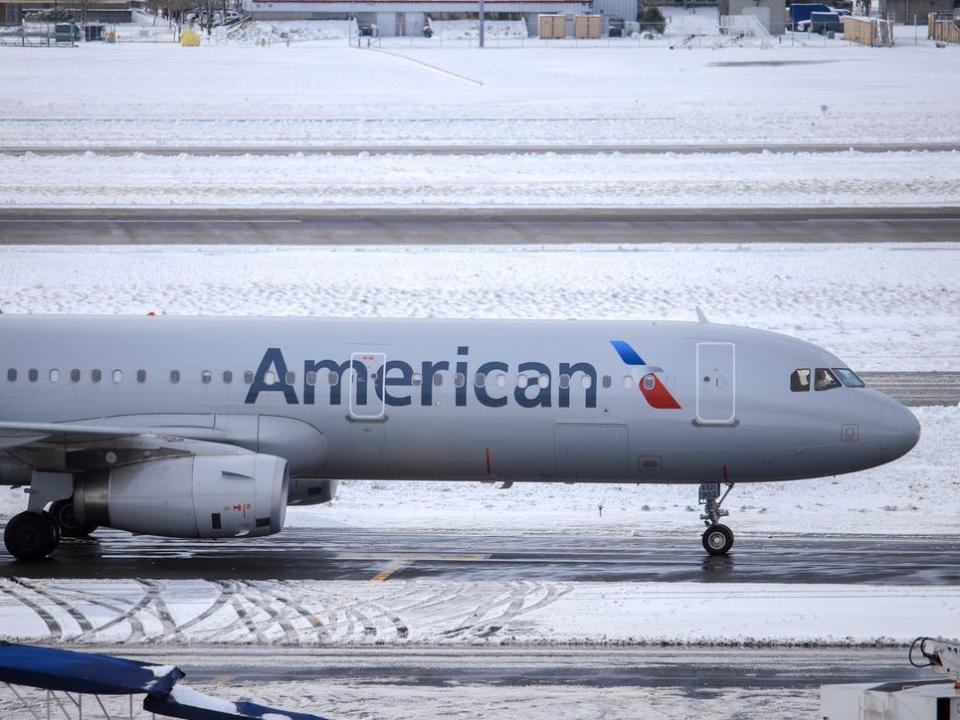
[(189, 38), (66, 33), (586, 27), (916, 700), (552, 27)]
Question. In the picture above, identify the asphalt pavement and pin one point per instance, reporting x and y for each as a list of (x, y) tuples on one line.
[(348, 554), (455, 226)]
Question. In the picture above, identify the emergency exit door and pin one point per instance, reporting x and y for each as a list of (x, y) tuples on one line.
[(366, 399), (716, 383)]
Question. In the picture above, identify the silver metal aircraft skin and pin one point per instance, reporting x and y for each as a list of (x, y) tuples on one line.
[(190, 426)]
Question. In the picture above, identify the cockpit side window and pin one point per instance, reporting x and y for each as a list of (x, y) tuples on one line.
[(849, 378), (825, 380), (800, 380)]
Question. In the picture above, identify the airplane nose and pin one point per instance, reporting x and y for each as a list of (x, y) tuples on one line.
[(901, 430)]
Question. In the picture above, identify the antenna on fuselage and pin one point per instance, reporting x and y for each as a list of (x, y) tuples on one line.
[(701, 318)]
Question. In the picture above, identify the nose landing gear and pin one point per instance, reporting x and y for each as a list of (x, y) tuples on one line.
[(717, 539)]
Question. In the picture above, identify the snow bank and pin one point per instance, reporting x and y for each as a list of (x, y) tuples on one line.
[(293, 31), (470, 29)]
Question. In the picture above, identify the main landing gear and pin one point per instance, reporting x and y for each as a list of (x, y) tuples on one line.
[(33, 535), (717, 539)]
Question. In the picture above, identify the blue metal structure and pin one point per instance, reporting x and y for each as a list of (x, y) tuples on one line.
[(67, 671)]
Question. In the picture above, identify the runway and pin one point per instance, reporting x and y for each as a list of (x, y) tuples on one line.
[(467, 227), (291, 148), (346, 554)]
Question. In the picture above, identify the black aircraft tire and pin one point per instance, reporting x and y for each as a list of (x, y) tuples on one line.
[(717, 539), (31, 535), (70, 527)]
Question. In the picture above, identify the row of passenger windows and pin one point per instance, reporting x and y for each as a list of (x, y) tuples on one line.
[(270, 378), (823, 379)]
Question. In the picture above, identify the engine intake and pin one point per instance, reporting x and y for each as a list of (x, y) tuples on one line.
[(203, 496)]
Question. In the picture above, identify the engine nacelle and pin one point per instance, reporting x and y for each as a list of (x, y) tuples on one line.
[(311, 491), (202, 496)]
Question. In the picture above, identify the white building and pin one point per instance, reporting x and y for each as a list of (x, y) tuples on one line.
[(408, 17)]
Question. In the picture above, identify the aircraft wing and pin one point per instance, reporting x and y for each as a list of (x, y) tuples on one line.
[(71, 447)]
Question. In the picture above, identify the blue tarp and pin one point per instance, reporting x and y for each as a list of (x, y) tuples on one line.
[(53, 669)]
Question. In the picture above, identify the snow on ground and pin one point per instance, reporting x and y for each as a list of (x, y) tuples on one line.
[(452, 612), (611, 180), (280, 31), (309, 94), (885, 306), (464, 29)]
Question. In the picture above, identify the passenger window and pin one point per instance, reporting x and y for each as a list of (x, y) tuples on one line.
[(174, 376), (248, 376), (438, 379), (33, 375), (74, 375), (269, 377), (96, 375), (332, 378), (227, 377), (290, 377), (564, 381), (586, 381), (460, 380), (627, 382), (12, 375), (544, 381), (800, 380), (521, 381), (54, 375), (416, 380), (607, 381), (649, 382), (501, 380), (118, 376), (480, 380), (311, 377), (825, 380), (206, 376), (141, 376), (849, 378)]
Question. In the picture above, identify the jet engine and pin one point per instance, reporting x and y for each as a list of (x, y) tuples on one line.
[(311, 491), (201, 496)]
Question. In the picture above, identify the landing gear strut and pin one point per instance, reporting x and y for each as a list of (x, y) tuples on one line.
[(717, 539), (31, 535)]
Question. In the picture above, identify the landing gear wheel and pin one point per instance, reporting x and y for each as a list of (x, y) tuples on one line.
[(718, 539), (70, 527), (31, 535)]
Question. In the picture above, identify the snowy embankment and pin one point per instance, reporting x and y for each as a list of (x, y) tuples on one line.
[(451, 612), (302, 95), (486, 181)]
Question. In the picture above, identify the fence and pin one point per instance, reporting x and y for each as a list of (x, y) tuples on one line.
[(867, 31), (943, 29)]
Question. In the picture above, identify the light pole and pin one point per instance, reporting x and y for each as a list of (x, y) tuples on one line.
[(481, 23)]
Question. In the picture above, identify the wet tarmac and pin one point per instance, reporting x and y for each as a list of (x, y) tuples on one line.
[(346, 554)]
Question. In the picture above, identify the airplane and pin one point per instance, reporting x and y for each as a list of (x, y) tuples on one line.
[(208, 427)]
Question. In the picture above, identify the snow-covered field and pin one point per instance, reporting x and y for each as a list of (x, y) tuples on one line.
[(852, 299), (304, 94), (487, 181)]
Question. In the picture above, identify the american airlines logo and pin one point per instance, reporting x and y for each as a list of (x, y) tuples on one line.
[(398, 383)]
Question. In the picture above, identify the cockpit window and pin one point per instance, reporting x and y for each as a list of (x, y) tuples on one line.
[(800, 380), (825, 380), (848, 377)]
